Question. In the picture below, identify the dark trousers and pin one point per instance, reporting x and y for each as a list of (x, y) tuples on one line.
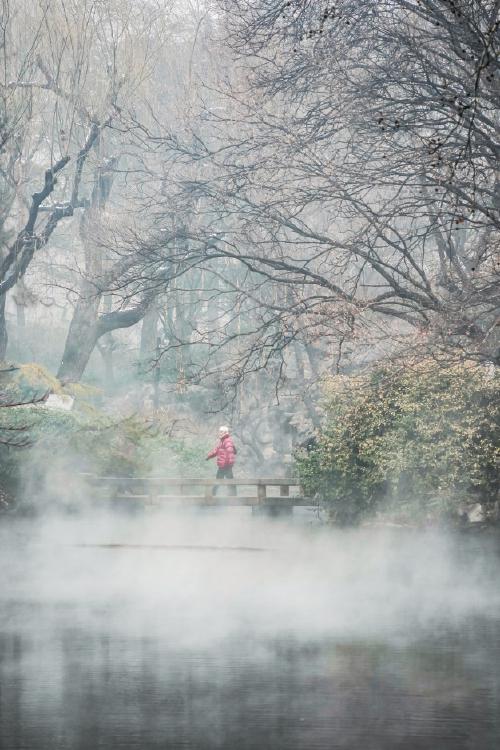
[(225, 472)]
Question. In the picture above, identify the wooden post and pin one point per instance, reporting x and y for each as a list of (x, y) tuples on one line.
[(156, 377), (261, 493), (151, 494)]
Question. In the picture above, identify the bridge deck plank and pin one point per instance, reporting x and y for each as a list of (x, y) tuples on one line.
[(195, 481), (157, 489), (200, 500)]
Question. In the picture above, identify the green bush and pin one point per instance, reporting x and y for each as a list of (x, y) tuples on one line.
[(83, 439), (420, 438)]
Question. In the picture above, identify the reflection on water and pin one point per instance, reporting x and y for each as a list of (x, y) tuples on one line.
[(301, 639)]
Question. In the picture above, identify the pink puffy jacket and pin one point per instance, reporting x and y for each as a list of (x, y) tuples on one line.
[(225, 452)]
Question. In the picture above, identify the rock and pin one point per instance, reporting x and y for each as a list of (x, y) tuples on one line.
[(59, 401), (476, 513)]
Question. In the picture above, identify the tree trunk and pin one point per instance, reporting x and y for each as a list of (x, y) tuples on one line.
[(86, 329), (83, 331), (107, 348), (80, 341), (21, 316), (3, 328), (149, 333)]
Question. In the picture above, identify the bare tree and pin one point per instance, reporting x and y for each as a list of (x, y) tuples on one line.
[(46, 97), (353, 158), (119, 282)]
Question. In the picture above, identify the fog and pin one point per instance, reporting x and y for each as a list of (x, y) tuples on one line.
[(209, 628), (261, 234), (203, 576)]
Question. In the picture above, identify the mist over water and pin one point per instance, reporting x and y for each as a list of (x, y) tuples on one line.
[(259, 236), (220, 630)]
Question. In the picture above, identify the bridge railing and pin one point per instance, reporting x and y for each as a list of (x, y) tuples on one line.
[(201, 491)]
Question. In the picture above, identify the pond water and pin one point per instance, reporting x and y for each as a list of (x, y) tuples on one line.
[(232, 632)]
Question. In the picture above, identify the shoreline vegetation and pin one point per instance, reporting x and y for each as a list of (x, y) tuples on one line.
[(407, 443), (279, 216), (411, 441)]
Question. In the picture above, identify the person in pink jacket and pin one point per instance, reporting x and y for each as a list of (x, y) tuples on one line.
[(225, 453)]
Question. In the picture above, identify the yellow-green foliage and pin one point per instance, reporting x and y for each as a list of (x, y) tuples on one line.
[(38, 379), (26, 382), (420, 435), (84, 438)]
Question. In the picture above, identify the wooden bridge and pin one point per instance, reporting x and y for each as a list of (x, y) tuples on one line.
[(267, 494)]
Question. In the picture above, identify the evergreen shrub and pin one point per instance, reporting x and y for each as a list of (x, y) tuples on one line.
[(417, 438)]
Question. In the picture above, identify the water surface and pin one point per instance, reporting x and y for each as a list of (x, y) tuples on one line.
[(220, 631)]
